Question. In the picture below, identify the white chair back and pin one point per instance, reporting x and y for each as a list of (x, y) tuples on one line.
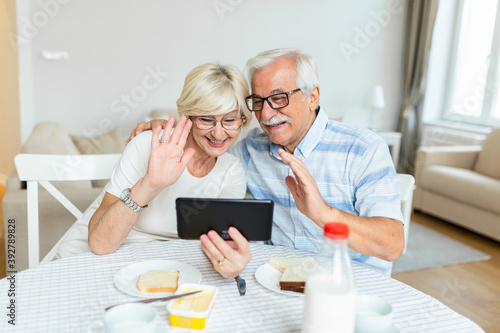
[(41, 169), (407, 185)]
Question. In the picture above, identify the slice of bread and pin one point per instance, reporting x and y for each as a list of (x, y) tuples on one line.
[(294, 278), (157, 281), (282, 263), (295, 272)]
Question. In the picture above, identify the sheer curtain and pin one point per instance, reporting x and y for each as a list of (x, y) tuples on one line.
[(420, 17)]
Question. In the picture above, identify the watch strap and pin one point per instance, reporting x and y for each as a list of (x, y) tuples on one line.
[(125, 197)]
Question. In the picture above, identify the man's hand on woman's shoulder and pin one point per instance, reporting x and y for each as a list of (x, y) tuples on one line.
[(141, 127)]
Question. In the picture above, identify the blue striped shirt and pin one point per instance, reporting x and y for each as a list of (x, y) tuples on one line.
[(352, 168)]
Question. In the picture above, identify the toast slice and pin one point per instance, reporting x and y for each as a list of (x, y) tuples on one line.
[(283, 263), (294, 278), (158, 281), (295, 272)]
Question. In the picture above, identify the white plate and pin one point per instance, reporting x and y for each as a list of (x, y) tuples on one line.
[(270, 277), (126, 278)]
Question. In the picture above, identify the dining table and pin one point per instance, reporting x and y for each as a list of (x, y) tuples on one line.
[(69, 294)]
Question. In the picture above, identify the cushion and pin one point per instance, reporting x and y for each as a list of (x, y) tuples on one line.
[(52, 138), (163, 113), (49, 138), (488, 160), (106, 143), (463, 185)]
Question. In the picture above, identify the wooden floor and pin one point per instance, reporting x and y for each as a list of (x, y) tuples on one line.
[(472, 289)]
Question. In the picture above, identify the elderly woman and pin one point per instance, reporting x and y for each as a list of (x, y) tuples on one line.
[(157, 167)]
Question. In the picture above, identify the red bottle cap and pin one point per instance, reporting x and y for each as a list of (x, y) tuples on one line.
[(336, 231)]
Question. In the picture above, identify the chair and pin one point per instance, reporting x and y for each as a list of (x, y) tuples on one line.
[(461, 185), (41, 169), (407, 185)]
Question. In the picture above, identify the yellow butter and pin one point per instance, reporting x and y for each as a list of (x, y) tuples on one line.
[(197, 303)]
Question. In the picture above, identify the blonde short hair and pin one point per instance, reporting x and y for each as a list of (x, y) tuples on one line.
[(214, 89)]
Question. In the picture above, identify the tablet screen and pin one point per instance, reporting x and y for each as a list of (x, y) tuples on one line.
[(196, 216)]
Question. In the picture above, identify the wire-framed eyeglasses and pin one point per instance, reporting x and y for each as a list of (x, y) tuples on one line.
[(228, 123), (275, 101)]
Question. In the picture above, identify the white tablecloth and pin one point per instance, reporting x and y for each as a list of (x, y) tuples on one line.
[(68, 294)]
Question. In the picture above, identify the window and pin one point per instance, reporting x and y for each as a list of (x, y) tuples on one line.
[(472, 92)]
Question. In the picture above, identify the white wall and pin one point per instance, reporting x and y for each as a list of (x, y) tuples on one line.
[(113, 46)]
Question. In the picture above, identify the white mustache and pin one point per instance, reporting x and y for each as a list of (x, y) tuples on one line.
[(276, 120)]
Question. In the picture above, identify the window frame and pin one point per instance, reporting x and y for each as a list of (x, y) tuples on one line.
[(493, 75)]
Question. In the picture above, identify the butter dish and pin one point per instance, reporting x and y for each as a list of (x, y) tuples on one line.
[(192, 311)]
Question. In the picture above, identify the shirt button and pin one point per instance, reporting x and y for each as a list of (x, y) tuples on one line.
[(299, 231)]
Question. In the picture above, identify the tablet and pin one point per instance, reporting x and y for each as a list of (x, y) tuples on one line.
[(252, 217)]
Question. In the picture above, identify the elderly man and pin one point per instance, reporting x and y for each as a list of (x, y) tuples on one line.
[(314, 169)]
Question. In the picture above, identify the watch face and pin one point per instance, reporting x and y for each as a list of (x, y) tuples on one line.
[(125, 194)]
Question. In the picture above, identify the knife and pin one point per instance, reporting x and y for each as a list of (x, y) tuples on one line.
[(168, 298), (242, 285)]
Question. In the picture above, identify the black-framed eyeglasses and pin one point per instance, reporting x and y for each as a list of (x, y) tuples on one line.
[(275, 101), (228, 123)]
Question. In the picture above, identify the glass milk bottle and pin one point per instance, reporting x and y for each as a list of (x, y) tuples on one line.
[(330, 296)]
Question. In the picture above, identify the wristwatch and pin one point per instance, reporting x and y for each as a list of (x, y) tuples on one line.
[(125, 197)]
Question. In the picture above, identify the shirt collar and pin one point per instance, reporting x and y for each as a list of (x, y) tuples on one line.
[(310, 140)]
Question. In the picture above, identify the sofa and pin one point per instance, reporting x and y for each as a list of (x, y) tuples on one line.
[(52, 138), (461, 185)]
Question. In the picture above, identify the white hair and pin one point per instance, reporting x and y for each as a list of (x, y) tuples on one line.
[(307, 70)]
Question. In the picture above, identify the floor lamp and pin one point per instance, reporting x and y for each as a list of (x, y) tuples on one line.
[(377, 102)]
